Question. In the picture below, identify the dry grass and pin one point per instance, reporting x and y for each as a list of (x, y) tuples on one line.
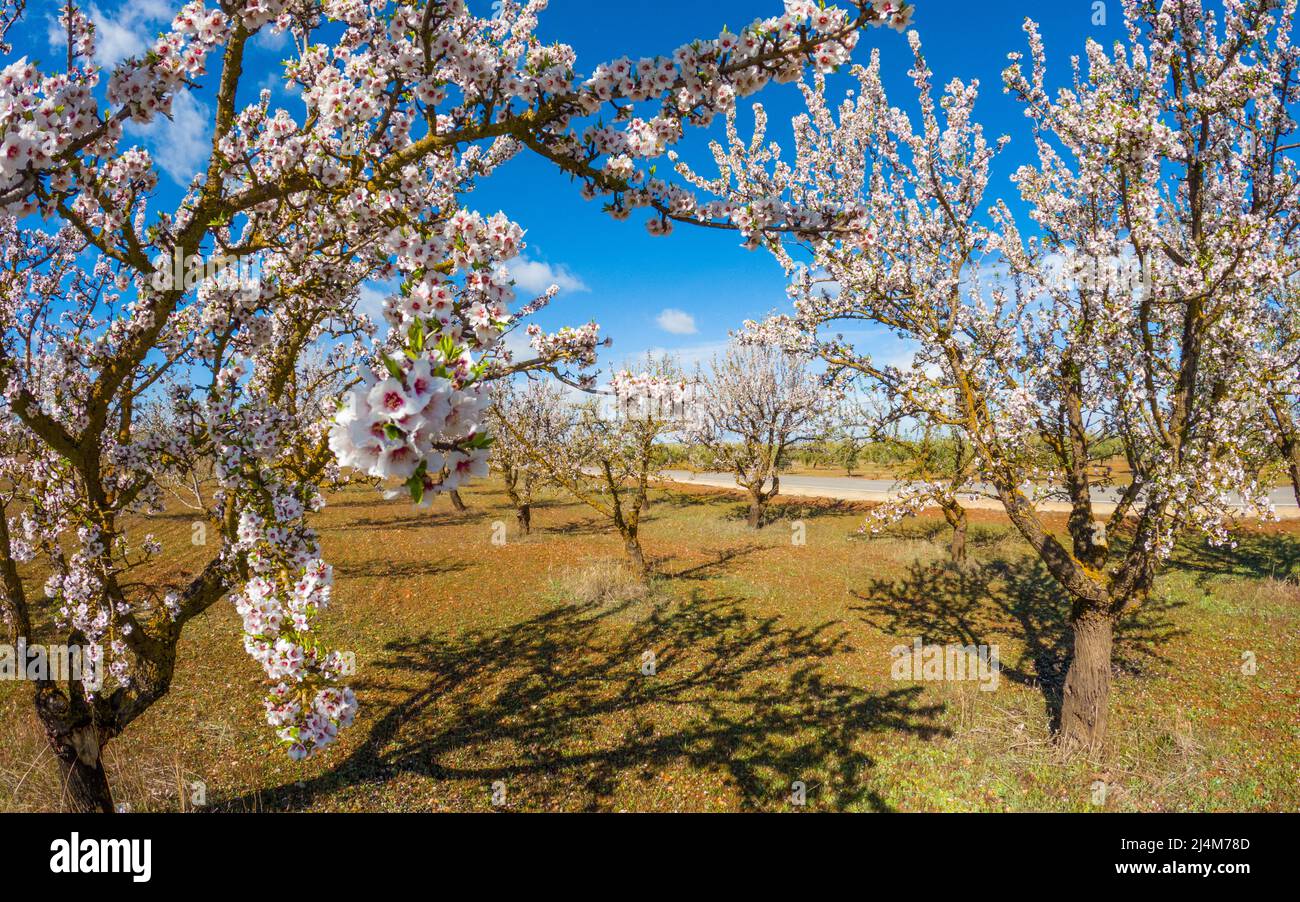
[(601, 583), (524, 665)]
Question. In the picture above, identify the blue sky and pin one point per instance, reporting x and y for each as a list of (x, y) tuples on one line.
[(632, 277), (683, 292)]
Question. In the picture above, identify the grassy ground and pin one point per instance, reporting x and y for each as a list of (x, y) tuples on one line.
[(524, 668)]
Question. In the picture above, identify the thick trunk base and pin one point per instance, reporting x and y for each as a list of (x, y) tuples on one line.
[(636, 558), (81, 766), (525, 517), (955, 515), (456, 501), (957, 549), (1086, 697)]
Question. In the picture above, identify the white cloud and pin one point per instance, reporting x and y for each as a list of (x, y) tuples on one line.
[(114, 39), (687, 357), (677, 322), (268, 39), (370, 301), (534, 276), (126, 31), (274, 82), (519, 344), (181, 144)]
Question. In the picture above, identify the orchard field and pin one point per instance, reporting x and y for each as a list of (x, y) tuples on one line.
[(348, 349), (519, 671)]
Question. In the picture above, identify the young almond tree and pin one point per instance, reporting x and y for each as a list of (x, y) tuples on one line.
[(536, 413), (111, 295), (756, 403), (607, 454), (1137, 315)]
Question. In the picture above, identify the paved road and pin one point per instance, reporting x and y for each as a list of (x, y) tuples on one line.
[(855, 488)]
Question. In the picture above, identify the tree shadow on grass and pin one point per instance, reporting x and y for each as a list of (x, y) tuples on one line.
[(387, 567), (594, 525), (373, 524), (710, 569), (789, 508), (1005, 602), (403, 519), (559, 709), (1262, 555), (733, 504), (672, 497)]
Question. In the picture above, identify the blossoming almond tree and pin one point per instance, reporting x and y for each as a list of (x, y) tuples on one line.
[(756, 402), (1171, 156), (404, 107), (521, 418), (606, 454)]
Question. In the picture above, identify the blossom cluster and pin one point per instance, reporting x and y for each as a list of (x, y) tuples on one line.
[(417, 413), (409, 423), (651, 395), (288, 583)]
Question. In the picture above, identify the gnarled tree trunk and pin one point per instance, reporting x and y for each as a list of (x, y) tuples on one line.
[(756, 508), (635, 556), (85, 784), (955, 514), (759, 499), (523, 509), (1293, 470), (1086, 698), (77, 746), (1288, 441)]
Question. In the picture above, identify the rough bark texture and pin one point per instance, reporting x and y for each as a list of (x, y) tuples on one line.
[(77, 728), (955, 514), (521, 500), (635, 557), (85, 784), (1293, 470), (77, 746), (1287, 441), (759, 499), (1086, 698), (456, 501)]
